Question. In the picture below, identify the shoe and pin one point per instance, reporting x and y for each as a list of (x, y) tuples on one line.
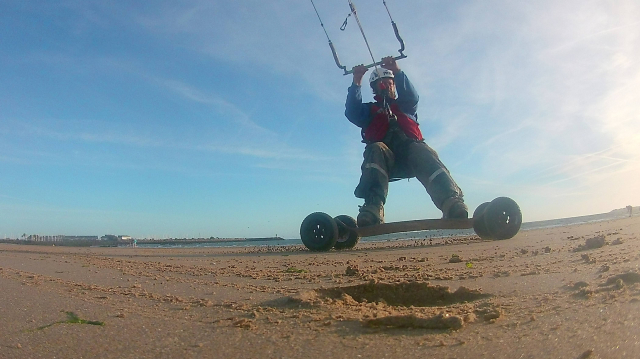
[(454, 208), (370, 214)]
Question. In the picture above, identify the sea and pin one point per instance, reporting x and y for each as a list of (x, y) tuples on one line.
[(430, 234)]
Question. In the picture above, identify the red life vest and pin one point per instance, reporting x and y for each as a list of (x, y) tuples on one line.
[(379, 124)]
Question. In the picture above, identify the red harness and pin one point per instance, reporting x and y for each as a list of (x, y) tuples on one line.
[(379, 125)]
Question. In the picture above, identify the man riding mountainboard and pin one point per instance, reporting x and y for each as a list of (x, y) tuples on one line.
[(395, 147)]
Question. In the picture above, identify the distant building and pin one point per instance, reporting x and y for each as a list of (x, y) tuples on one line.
[(57, 238), (79, 238), (113, 237), (41, 238)]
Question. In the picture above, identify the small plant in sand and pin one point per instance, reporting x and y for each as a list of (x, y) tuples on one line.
[(72, 318), (295, 270)]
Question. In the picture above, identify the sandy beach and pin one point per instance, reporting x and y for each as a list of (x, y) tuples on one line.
[(564, 292)]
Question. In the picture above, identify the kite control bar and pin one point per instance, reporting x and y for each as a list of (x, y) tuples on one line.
[(353, 11), (375, 64)]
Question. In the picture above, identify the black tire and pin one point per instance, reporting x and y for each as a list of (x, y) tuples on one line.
[(478, 221), (502, 218), (347, 238), (319, 232)]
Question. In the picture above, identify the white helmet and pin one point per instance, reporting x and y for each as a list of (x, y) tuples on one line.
[(379, 73)]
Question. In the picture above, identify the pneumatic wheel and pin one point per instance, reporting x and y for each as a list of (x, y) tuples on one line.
[(479, 225), (347, 237), (502, 218), (319, 232)]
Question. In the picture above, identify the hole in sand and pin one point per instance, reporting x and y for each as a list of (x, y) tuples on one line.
[(404, 294)]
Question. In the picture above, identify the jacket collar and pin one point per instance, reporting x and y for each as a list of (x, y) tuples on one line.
[(379, 99)]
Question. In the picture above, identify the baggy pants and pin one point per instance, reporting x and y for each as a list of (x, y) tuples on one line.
[(409, 159)]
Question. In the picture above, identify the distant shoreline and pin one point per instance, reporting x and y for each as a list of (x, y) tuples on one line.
[(121, 243), (549, 223), (197, 241)]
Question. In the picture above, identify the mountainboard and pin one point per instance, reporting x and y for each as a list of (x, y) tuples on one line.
[(496, 220)]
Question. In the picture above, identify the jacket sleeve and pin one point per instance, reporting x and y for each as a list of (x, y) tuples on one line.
[(407, 95), (357, 112)]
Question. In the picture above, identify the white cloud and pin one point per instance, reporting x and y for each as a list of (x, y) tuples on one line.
[(225, 109)]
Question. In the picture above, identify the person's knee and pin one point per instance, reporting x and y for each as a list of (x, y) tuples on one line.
[(379, 153), (423, 152), (377, 147)]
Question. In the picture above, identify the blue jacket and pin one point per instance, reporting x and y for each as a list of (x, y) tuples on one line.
[(373, 122)]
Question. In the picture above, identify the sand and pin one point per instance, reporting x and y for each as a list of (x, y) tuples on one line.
[(565, 292)]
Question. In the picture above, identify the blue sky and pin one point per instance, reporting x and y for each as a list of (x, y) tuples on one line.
[(225, 118)]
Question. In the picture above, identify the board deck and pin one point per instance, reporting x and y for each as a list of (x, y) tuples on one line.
[(416, 225)]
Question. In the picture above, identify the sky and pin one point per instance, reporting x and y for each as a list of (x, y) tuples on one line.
[(226, 118)]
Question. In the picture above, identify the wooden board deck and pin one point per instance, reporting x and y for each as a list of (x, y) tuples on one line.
[(416, 225)]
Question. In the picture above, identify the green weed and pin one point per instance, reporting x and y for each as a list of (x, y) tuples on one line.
[(72, 318), (295, 270)]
